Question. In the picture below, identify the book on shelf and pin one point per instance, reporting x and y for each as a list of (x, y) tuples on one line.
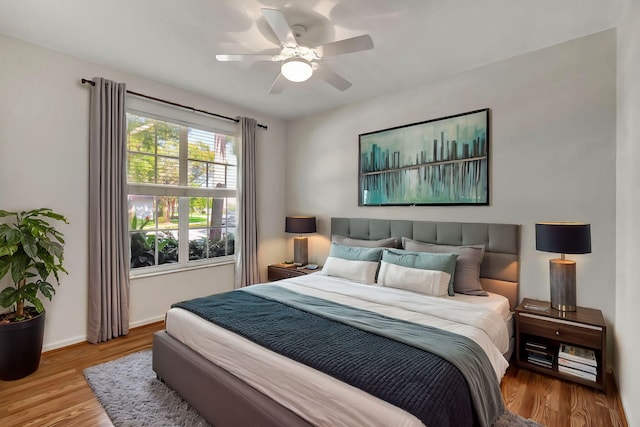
[(540, 362), (577, 373), (577, 365), (578, 354), (535, 350), (545, 360), (542, 365), (533, 345)]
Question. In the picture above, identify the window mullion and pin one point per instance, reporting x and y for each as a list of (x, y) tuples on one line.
[(183, 178), (183, 202), (155, 156), (183, 230), (156, 254)]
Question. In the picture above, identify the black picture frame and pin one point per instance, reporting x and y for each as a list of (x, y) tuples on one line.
[(438, 162)]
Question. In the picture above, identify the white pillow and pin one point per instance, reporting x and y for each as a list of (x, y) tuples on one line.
[(430, 282), (358, 271), (466, 279)]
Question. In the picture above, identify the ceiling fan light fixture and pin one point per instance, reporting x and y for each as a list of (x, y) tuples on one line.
[(296, 69)]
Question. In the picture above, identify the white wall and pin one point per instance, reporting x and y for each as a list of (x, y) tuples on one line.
[(553, 131), (627, 316), (44, 118), (152, 296)]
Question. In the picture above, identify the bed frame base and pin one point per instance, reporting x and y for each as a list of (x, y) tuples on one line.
[(221, 398)]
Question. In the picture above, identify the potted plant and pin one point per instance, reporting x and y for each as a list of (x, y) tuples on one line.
[(30, 252)]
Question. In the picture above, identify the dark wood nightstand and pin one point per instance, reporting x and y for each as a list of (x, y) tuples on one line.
[(277, 272), (547, 328)]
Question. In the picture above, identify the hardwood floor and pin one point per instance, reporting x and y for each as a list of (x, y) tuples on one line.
[(557, 403), (58, 395)]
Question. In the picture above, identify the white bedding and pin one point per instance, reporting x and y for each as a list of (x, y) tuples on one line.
[(320, 398)]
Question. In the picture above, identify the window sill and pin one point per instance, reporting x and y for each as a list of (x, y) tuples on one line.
[(161, 272)]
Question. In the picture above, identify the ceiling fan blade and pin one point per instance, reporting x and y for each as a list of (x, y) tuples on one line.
[(278, 85), (341, 47), (251, 57), (279, 25), (332, 78)]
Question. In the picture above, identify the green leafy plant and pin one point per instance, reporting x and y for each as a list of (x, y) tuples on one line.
[(207, 248), (142, 244), (31, 250), (167, 249)]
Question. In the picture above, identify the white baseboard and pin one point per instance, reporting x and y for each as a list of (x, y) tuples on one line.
[(146, 321), (76, 340), (63, 343)]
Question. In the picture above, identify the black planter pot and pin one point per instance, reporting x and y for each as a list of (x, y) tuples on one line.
[(21, 347)]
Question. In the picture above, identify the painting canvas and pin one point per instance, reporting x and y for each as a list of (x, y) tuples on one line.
[(443, 161)]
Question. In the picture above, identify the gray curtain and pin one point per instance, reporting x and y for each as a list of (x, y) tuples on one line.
[(247, 272), (108, 315)]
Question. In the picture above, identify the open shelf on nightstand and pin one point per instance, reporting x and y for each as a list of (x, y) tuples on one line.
[(541, 332)]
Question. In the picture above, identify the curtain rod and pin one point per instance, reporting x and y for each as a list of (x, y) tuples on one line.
[(175, 104)]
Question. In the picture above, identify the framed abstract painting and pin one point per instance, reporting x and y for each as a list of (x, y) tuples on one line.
[(443, 161)]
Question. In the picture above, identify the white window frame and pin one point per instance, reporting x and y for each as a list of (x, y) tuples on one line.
[(163, 112)]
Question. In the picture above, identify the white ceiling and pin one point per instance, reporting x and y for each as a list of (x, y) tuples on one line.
[(416, 41)]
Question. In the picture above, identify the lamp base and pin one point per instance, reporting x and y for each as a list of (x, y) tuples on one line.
[(563, 284), (300, 251)]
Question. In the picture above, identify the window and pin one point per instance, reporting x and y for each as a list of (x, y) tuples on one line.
[(182, 193)]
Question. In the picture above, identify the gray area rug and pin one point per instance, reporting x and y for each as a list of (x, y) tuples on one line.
[(131, 395)]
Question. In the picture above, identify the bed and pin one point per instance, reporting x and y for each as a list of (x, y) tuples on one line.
[(232, 380)]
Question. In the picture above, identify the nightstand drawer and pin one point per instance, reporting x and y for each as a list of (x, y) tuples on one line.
[(561, 330), (283, 273)]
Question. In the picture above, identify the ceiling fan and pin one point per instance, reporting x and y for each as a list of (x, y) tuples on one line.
[(300, 62)]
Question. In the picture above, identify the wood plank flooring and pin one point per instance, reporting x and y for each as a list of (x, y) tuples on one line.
[(58, 395), (557, 403)]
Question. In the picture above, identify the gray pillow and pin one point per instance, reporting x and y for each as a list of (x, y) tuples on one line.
[(467, 275), (389, 242)]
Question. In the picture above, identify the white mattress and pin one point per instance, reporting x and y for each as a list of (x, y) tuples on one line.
[(320, 398), (497, 303)]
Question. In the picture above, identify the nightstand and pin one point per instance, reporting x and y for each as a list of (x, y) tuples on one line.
[(277, 272), (540, 326)]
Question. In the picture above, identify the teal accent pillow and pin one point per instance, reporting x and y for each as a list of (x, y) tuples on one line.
[(355, 253), (424, 261), (353, 263)]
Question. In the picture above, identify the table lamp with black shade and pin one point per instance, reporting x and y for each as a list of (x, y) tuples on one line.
[(300, 225), (563, 238)]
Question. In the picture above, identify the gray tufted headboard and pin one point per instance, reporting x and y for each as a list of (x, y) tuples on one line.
[(499, 271)]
